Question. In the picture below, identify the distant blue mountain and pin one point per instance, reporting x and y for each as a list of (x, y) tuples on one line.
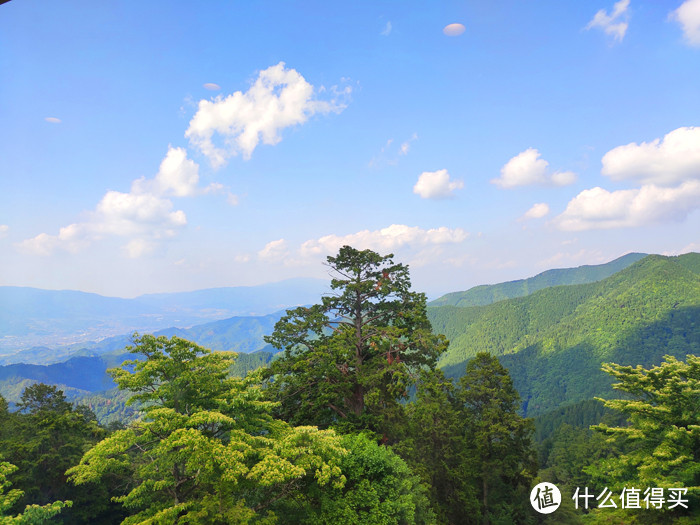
[(30, 317)]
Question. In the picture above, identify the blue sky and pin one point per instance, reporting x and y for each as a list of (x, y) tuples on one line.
[(164, 146)]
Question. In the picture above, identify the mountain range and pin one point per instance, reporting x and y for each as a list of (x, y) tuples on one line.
[(551, 331), (30, 317)]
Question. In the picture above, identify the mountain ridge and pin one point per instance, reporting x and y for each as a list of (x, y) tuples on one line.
[(489, 293)]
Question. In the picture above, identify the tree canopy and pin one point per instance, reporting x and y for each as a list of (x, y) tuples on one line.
[(660, 446), (350, 360), (207, 449)]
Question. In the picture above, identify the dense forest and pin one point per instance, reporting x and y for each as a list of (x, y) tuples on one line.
[(379, 410)]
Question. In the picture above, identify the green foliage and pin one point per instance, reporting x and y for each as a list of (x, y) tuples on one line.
[(110, 407), (470, 446), (246, 363), (32, 514), (499, 439), (379, 489), (436, 447), (661, 445), (351, 360), (47, 436), (554, 341), (207, 449), (578, 415)]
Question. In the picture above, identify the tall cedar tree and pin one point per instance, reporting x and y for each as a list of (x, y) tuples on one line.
[(349, 361), (498, 440)]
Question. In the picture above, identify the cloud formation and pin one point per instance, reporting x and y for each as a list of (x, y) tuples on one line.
[(53, 120), (178, 176), (385, 240), (144, 215), (278, 99), (211, 86), (688, 16), (436, 185), (274, 251), (387, 29), (613, 24), (527, 168), (454, 29), (4, 228), (667, 161), (601, 209), (537, 211)]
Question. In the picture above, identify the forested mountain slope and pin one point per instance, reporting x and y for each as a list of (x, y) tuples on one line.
[(554, 341), (487, 294)]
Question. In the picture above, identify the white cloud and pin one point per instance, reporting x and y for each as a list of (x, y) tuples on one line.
[(4, 228), (144, 215), (527, 168), (385, 240), (178, 176), (126, 214), (274, 250), (615, 23), (436, 185), (43, 244), (278, 99), (137, 248), (387, 29), (453, 29), (667, 161), (537, 211), (211, 86), (688, 16), (601, 209), (53, 120)]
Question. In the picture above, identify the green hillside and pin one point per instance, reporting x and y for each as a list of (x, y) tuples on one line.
[(488, 294), (554, 341)]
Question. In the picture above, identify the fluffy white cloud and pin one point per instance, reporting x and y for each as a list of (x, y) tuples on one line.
[(688, 16), (436, 185), (274, 250), (126, 214), (278, 99), (178, 176), (385, 240), (143, 215), (538, 211), (527, 168), (601, 209), (453, 29), (667, 161), (615, 23)]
